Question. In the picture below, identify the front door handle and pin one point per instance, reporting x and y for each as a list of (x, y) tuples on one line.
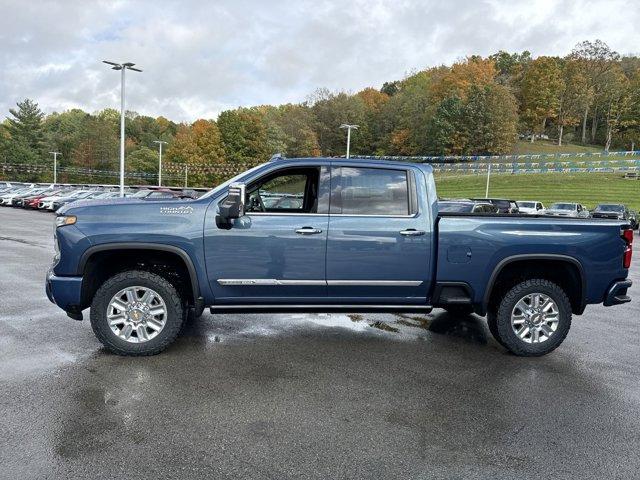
[(411, 232), (308, 231)]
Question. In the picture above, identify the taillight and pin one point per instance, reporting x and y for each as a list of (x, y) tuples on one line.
[(627, 234)]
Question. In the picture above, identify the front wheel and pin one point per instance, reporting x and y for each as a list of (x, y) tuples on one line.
[(533, 318), (136, 313)]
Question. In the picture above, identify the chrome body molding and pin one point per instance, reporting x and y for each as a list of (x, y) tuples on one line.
[(374, 283), (331, 283), (267, 282)]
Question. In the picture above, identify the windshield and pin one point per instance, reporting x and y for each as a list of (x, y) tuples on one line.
[(563, 206), (526, 204), (610, 208), (224, 185), (454, 207)]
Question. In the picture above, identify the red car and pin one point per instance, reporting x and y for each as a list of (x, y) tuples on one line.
[(32, 202)]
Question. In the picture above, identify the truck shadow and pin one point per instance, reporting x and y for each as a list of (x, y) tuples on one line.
[(469, 327)]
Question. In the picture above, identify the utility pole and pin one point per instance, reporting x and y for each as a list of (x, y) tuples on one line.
[(55, 166), (348, 128), (186, 170), (160, 143), (122, 67)]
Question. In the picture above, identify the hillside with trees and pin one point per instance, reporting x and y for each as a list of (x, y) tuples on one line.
[(475, 106)]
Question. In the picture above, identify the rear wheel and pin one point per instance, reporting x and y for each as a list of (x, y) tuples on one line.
[(137, 313), (532, 319)]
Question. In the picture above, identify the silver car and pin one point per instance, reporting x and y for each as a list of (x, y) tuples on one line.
[(567, 209)]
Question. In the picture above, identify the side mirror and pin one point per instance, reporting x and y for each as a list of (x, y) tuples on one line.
[(233, 206)]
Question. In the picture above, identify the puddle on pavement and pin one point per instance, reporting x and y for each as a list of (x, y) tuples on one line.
[(226, 328)]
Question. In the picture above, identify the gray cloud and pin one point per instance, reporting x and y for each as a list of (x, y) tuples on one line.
[(202, 57)]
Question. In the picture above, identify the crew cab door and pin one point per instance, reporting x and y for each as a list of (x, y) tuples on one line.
[(380, 236), (275, 253)]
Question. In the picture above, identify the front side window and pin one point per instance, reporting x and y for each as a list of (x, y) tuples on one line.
[(286, 191), (370, 191)]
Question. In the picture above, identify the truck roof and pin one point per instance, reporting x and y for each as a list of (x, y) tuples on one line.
[(365, 161)]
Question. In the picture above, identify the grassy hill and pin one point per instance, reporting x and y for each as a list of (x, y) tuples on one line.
[(586, 188), (523, 147)]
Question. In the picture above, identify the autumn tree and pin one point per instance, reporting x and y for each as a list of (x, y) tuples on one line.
[(540, 91), (572, 97), (596, 60), (330, 111), (198, 146), (616, 100)]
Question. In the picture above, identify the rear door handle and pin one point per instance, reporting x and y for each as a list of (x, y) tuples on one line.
[(411, 232), (308, 231)]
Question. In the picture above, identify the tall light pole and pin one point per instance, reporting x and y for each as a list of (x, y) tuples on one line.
[(55, 166), (349, 128), (122, 67), (486, 192), (160, 143)]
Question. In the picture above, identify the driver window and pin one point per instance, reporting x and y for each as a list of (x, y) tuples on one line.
[(288, 191)]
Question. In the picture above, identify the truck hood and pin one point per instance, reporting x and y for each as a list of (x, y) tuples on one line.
[(125, 206)]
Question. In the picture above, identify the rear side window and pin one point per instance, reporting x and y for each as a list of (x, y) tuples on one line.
[(370, 191)]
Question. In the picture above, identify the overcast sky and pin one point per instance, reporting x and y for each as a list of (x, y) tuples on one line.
[(201, 57)]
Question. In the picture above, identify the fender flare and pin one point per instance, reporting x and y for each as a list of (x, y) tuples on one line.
[(193, 276), (536, 256)]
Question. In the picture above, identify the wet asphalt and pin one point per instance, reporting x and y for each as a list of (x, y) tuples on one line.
[(307, 396)]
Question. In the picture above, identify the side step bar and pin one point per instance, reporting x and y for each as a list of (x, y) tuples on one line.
[(320, 308)]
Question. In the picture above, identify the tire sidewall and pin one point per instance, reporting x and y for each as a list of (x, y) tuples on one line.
[(105, 293), (509, 338)]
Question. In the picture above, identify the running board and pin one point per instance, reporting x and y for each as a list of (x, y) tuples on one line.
[(320, 308)]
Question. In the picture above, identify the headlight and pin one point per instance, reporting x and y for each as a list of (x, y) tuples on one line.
[(62, 220)]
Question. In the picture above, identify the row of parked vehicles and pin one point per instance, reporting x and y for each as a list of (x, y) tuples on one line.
[(51, 197), (614, 211)]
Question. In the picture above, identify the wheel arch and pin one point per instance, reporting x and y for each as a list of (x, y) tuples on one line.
[(127, 247), (569, 267)]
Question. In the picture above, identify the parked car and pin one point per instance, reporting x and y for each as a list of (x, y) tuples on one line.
[(634, 220), (466, 206), (384, 247), (504, 206), (34, 200), (18, 200), (7, 199), (616, 211), (531, 207), (567, 209), (74, 196), (159, 194)]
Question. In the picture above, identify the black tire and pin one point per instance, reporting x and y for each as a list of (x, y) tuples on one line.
[(174, 307), (503, 331)]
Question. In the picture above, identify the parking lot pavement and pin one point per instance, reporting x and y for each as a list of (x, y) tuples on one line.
[(307, 396)]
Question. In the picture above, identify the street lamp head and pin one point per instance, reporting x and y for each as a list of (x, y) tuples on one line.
[(120, 66), (348, 126)]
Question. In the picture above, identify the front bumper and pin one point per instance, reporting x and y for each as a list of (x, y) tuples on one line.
[(617, 293), (65, 292)]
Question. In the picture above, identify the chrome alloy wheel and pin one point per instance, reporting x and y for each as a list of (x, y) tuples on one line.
[(535, 318), (137, 314)]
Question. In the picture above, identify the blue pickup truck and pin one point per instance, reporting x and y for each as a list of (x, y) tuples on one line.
[(323, 234)]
